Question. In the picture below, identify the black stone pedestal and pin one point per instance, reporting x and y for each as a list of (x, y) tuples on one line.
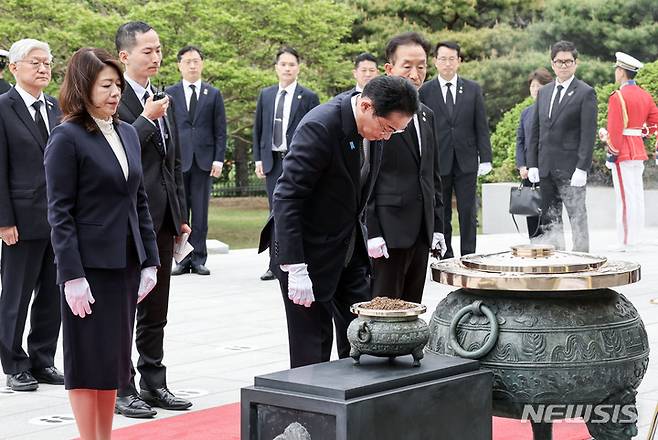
[(446, 398)]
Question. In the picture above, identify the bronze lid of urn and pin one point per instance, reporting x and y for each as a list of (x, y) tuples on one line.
[(535, 268)]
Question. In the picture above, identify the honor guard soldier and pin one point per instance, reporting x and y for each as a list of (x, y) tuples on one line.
[(632, 116)]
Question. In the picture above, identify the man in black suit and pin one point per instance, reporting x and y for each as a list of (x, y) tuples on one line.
[(561, 145), (319, 246), (463, 136), (365, 69), (278, 112), (27, 117), (201, 122), (405, 211), (4, 85), (140, 52)]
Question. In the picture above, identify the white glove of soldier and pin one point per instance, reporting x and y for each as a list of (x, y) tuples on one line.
[(78, 296), (147, 281), (603, 134), (300, 287), (579, 178), (439, 242), (484, 168), (377, 248), (533, 175)]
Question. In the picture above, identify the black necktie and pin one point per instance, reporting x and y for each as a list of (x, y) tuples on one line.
[(41, 124), (157, 124), (193, 101), (556, 100), (450, 102), (277, 135)]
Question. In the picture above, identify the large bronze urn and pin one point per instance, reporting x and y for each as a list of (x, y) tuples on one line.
[(560, 342)]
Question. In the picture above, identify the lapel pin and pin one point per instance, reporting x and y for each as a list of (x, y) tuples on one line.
[(299, 96), (205, 91), (424, 119), (352, 146), (570, 93)]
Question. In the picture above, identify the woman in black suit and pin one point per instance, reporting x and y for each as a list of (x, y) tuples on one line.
[(102, 235)]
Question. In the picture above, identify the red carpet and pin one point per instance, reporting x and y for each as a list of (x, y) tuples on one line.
[(223, 423)]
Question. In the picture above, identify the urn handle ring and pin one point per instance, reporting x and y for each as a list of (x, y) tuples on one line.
[(364, 333), (477, 308)]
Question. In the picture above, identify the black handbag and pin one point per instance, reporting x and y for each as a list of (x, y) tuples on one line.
[(525, 200)]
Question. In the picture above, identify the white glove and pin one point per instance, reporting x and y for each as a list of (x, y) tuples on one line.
[(533, 175), (603, 134), (147, 281), (579, 178), (484, 168), (439, 242), (300, 287), (377, 248), (609, 165), (78, 296)]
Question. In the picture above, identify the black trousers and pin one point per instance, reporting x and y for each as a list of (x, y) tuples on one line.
[(555, 191), (310, 329), (152, 318), (465, 187), (28, 266), (402, 274), (197, 192), (273, 175)]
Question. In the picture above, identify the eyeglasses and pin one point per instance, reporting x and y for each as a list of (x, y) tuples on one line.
[(192, 61), (564, 63), (36, 64), (389, 130), (445, 60)]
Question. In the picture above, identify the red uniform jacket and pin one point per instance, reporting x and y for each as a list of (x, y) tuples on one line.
[(640, 110)]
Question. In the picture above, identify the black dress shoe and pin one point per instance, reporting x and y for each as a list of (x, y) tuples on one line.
[(200, 269), (22, 381), (180, 269), (165, 399), (50, 375), (267, 276), (133, 406)]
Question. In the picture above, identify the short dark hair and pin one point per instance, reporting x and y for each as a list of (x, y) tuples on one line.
[(564, 46), (392, 94), (365, 56), (450, 45), (286, 49), (81, 73), (541, 75), (407, 38), (126, 36), (186, 49)]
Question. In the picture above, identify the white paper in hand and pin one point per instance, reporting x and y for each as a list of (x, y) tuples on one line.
[(182, 248)]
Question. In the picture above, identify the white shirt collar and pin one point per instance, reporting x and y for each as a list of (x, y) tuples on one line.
[(197, 84), (290, 89), (566, 84), (443, 82), (358, 88), (27, 97), (137, 87)]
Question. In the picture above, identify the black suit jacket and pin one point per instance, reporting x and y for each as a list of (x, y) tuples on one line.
[(319, 200), (303, 101), (91, 207), (408, 187), (22, 177), (203, 137), (163, 178), (566, 140), (465, 135)]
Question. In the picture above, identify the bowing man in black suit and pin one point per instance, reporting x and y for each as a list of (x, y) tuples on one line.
[(561, 146), (405, 211), (319, 245), (140, 52), (102, 235), (278, 111), (463, 136), (27, 116), (201, 122)]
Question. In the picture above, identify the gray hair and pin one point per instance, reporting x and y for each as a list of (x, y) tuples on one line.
[(20, 49)]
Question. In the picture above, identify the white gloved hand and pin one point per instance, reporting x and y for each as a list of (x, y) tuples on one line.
[(609, 165), (147, 281), (300, 287), (78, 296), (579, 178), (533, 175), (377, 247), (484, 168), (603, 134), (439, 242)]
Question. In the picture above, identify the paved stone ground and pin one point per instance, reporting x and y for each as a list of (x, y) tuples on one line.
[(227, 327)]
